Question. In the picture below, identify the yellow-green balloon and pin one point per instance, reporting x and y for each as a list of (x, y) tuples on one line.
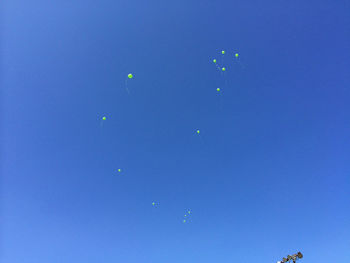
[(223, 69), (223, 52), (198, 131), (119, 170), (104, 118), (236, 55), (130, 76), (214, 60), (218, 89)]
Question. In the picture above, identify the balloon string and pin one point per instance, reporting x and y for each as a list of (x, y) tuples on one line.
[(126, 86)]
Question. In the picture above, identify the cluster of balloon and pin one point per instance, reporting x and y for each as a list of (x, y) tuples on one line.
[(186, 216), (221, 67)]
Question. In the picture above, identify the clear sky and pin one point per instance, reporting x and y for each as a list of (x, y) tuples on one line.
[(268, 175)]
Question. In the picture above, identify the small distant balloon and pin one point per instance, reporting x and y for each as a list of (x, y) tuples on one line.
[(223, 69), (130, 76), (119, 170), (102, 120), (218, 89), (198, 131), (214, 60), (223, 52), (236, 55)]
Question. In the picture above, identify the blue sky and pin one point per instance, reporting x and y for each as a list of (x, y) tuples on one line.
[(267, 176)]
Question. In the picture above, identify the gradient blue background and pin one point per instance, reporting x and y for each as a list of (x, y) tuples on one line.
[(268, 176)]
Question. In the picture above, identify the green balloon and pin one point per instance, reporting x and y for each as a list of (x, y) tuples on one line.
[(119, 170), (236, 55), (223, 69), (218, 89), (130, 76), (223, 52), (104, 118), (214, 60), (198, 131)]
